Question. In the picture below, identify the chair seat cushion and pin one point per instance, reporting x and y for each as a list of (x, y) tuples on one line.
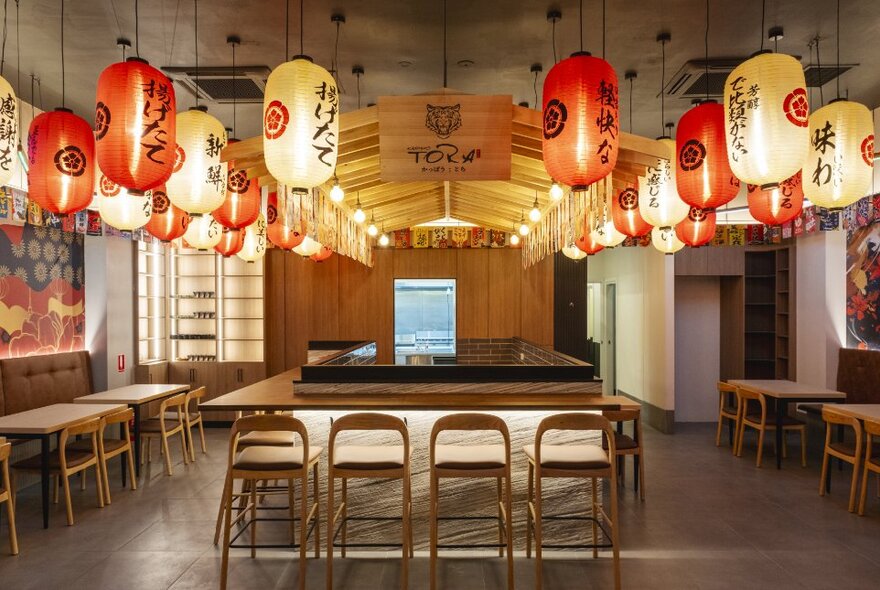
[(267, 438), (153, 425), (173, 417), (771, 419), (849, 448), (368, 457), (273, 458), (622, 442), (110, 445), (74, 459), (469, 456), (570, 456), (731, 411)]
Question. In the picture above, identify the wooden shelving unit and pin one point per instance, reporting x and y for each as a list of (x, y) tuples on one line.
[(760, 313), (151, 303)]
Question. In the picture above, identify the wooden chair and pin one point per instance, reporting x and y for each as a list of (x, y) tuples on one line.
[(580, 461), (70, 461), (193, 417), (486, 461), (108, 448), (6, 494), (625, 445), (373, 462), (845, 451), (726, 412), (872, 461), (762, 421), (160, 429), (256, 463)]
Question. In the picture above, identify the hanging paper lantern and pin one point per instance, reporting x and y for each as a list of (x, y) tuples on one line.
[(242, 204), (665, 240), (167, 221), (766, 118), (61, 162), (300, 124), (840, 161), (135, 124), (308, 247), (626, 215), (659, 202), (323, 254), (704, 178), (198, 183), (254, 246), (697, 229), (608, 235), (231, 242), (121, 208), (777, 204), (581, 132), (588, 245), (573, 252), (203, 232), (8, 131), (279, 233)]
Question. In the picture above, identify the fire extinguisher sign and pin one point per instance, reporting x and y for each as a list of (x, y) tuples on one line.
[(120, 363)]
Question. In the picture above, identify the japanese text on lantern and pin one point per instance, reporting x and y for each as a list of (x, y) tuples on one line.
[(157, 105), (325, 114), (8, 130), (657, 177), (829, 170), (213, 146), (740, 101), (606, 122)]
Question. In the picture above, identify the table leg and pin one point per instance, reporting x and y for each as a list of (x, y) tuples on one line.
[(137, 441), (730, 423), (44, 477), (122, 467), (781, 408)]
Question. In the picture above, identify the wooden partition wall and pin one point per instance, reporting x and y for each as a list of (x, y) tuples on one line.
[(340, 299)]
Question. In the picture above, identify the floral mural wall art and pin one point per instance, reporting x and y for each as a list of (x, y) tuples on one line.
[(42, 292), (863, 288)]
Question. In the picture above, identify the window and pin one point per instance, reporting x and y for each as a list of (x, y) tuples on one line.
[(424, 320)]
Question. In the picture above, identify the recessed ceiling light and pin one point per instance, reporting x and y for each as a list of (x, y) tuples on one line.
[(404, 63), (465, 63)]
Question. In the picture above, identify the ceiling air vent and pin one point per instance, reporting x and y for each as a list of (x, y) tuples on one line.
[(216, 84), (819, 77)]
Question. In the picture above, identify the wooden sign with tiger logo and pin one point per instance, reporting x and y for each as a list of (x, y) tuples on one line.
[(445, 137)]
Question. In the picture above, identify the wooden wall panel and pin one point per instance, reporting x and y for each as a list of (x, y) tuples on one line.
[(274, 316), (366, 303), (570, 306), (325, 299), (297, 301), (472, 294), (425, 263), (505, 276), (536, 302)]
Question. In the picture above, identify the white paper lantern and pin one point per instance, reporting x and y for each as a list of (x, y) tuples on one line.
[(254, 246), (608, 235), (766, 114), (300, 124), (840, 160), (665, 240), (659, 202), (203, 232), (8, 131), (573, 252), (198, 183), (308, 247), (121, 208)]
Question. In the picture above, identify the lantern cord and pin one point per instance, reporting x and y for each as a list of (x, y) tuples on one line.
[(62, 59), (287, 31), (581, 22), (838, 46), (233, 90), (196, 27), (17, 47), (3, 50), (603, 29), (662, 86), (631, 78), (301, 45), (535, 88), (819, 65), (445, 64), (359, 89), (707, 49), (555, 58), (137, 30), (40, 91), (763, 14)]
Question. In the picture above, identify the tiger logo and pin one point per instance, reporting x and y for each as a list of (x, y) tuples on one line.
[(443, 120)]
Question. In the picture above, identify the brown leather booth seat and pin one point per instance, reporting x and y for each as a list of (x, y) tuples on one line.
[(36, 381), (858, 373)]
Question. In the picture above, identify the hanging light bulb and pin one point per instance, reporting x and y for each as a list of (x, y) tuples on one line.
[(254, 243), (359, 215), (337, 195), (573, 252), (372, 230), (535, 213), (556, 191), (659, 202), (198, 183), (384, 240), (121, 208), (514, 239), (203, 232), (523, 227), (308, 247), (665, 240)]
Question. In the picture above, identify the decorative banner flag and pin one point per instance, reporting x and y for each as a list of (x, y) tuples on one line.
[(477, 237), (497, 239), (421, 237), (402, 238), (34, 213), (829, 220), (68, 223), (736, 235), (438, 238), (786, 230), (93, 225), (82, 221), (4, 207), (720, 238), (19, 206), (755, 234), (460, 237), (811, 221), (798, 225)]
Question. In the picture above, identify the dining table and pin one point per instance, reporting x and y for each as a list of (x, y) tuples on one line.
[(135, 397), (44, 422), (784, 392)]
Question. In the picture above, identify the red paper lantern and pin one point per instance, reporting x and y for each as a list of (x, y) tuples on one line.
[(168, 222), (231, 242), (587, 243), (61, 158), (279, 234), (704, 178), (775, 206), (325, 253), (698, 228), (581, 131), (135, 124), (242, 204), (625, 213)]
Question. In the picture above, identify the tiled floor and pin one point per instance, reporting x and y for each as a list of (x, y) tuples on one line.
[(710, 521)]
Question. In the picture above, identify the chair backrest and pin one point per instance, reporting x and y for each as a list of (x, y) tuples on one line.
[(470, 421), (265, 423), (833, 417), (872, 427), (744, 396), (724, 387), (369, 421), (125, 415), (91, 427), (5, 449), (195, 394), (575, 421)]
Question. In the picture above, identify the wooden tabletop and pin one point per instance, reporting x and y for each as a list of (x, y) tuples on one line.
[(784, 389), (133, 394), (861, 411), (54, 418), (276, 393)]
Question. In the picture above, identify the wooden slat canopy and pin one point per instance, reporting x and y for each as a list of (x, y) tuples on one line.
[(491, 204)]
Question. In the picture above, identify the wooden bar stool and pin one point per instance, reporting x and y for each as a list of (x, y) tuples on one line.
[(372, 462), (579, 461), (762, 421), (112, 447), (257, 463), (486, 461), (626, 445), (167, 424), (850, 452), (872, 461), (6, 494), (729, 413)]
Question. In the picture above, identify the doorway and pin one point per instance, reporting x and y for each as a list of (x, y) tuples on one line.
[(424, 321), (609, 372)]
